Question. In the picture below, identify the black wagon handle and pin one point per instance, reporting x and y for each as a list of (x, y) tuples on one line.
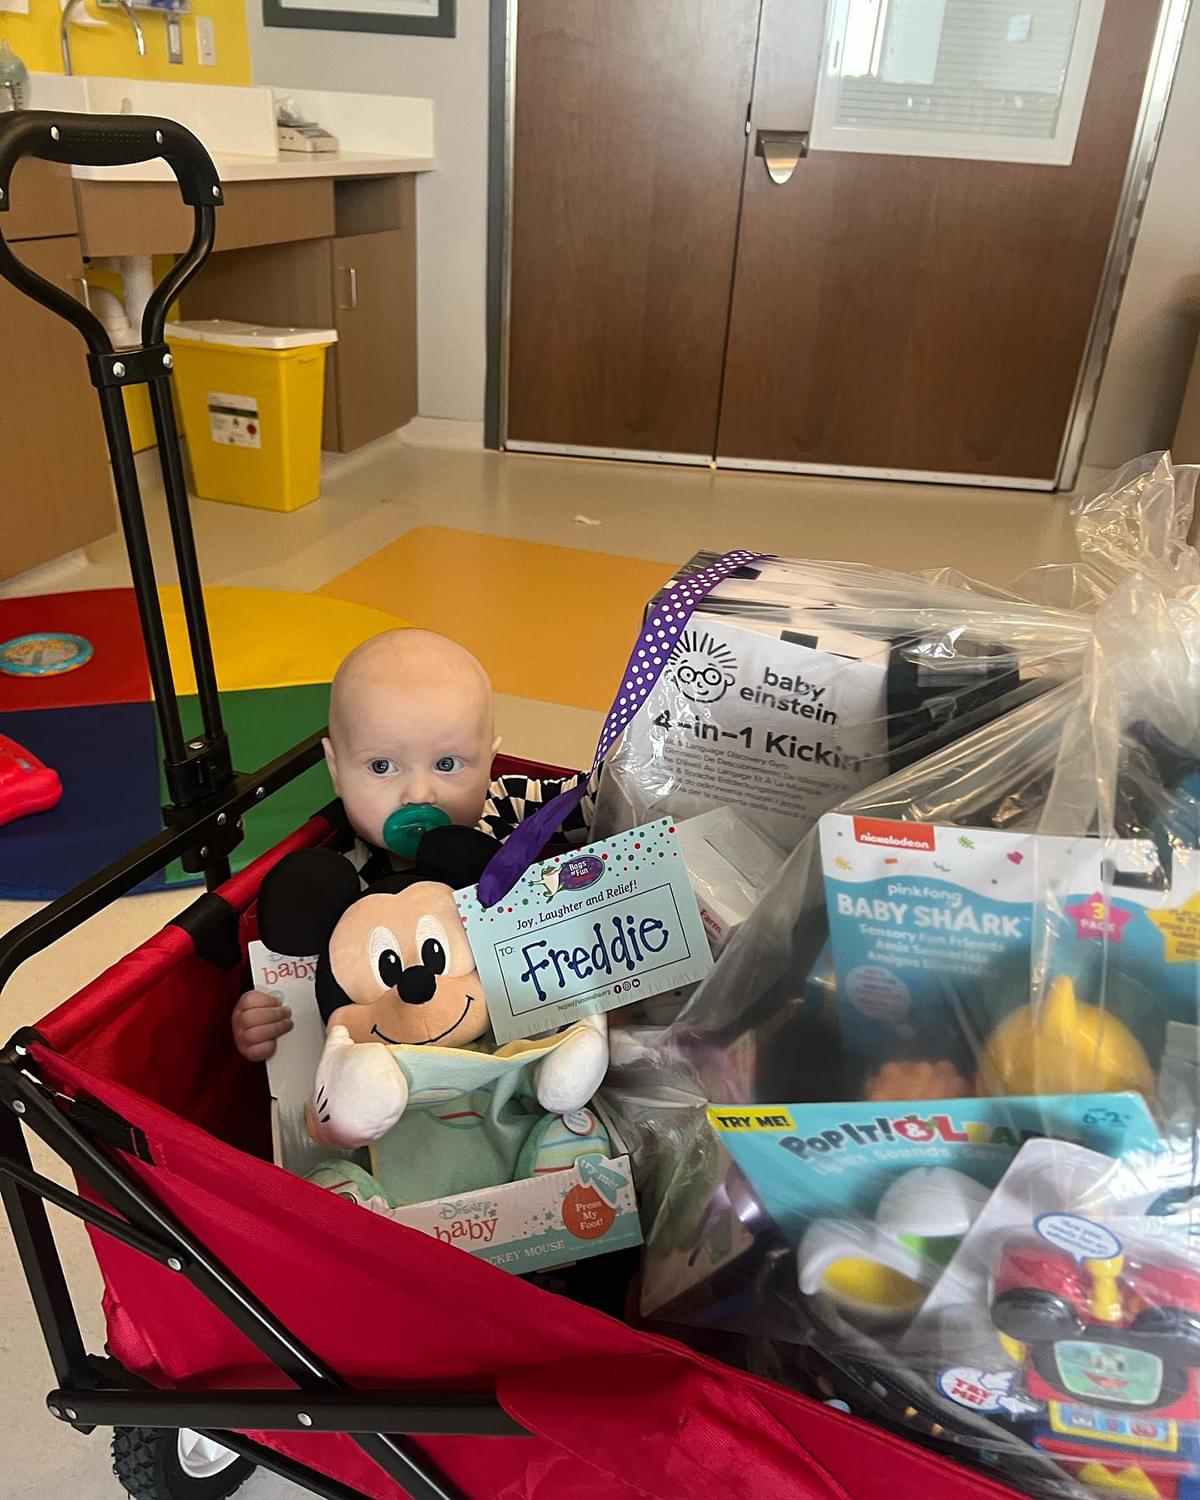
[(198, 770), (108, 141), (81, 140)]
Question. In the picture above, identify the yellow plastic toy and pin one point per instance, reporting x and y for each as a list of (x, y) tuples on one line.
[(1062, 1046)]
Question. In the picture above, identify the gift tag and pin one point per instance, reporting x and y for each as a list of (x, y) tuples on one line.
[(586, 932)]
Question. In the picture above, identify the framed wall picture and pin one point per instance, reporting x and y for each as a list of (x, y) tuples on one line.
[(414, 17)]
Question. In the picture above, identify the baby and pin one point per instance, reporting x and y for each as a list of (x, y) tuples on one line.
[(411, 741)]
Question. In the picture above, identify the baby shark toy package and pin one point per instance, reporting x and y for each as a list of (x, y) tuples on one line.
[(931, 929)]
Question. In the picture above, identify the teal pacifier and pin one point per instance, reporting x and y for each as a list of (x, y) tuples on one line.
[(407, 826)]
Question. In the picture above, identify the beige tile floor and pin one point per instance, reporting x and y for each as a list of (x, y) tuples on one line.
[(370, 499)]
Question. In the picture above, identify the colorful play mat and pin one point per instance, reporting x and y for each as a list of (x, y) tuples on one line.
[(275, 653), (524, 608)]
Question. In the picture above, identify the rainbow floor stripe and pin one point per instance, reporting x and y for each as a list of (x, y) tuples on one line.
[(275, 653)]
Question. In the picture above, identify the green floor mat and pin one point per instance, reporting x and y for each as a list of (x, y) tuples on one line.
[(261, 725)]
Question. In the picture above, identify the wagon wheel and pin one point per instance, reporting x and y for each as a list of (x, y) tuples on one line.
[(160, 1463)]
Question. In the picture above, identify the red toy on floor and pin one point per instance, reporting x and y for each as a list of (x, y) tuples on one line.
[(26, 785)]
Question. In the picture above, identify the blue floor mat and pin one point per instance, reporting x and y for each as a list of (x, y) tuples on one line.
[(106, 756)]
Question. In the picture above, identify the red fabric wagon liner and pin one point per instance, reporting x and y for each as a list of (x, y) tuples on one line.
[(615, 1412)]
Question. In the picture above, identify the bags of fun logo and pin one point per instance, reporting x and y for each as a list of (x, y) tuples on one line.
[(571, 874)]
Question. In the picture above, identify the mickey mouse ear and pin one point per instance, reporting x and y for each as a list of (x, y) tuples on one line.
[(455, 856), (303, 898)]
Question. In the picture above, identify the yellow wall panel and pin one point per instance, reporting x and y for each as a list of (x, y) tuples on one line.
[(111, 52)]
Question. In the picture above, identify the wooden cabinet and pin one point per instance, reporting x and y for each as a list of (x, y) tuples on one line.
[(150, 218), (362, 281), (42, 201), (317, 253), (374, 389), (55, 485)]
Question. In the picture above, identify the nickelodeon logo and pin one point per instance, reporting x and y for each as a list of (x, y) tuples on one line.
[(895, 835)]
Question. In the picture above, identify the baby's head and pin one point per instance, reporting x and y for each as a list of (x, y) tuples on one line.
[(411, 726)]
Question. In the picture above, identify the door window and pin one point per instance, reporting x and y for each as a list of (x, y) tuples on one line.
[(1001, 80)]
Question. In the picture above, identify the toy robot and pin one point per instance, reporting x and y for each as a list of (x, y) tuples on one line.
[(1112, 1347)]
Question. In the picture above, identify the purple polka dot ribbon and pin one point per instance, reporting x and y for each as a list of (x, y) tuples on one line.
[(656, 641)]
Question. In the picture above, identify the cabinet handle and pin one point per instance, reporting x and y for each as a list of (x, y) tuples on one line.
[(352, 277)]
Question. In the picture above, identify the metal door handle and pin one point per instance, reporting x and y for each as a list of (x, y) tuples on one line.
[(352, 275), (781, 150)]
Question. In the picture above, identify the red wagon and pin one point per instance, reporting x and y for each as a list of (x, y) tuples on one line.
[(276, 1323)]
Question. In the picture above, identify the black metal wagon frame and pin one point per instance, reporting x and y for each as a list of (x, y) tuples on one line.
[(207, 801)]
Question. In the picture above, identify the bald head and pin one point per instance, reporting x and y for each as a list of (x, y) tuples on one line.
[(411, 721), (412, 663)]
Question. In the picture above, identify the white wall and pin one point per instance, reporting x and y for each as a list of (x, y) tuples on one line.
[(1155, 334), (451, 202)]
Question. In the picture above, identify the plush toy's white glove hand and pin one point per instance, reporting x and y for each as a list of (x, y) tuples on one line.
[(359, 1094), (571, 1074)]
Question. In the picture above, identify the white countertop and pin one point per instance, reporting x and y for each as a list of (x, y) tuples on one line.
[(232, 168)]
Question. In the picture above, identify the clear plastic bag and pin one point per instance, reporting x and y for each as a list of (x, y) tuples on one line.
[(796, 683), (929, 1135)]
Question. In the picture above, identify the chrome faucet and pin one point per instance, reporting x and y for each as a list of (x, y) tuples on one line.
[(65, 40)]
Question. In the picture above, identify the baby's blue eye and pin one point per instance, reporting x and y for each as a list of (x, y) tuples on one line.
[(381, 767), (447, 763)]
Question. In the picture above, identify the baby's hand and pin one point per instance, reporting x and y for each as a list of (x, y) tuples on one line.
[(258, 1021)]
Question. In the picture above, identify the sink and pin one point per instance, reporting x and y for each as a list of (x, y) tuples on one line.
[(237, 126), (55, 91), (229, 119)]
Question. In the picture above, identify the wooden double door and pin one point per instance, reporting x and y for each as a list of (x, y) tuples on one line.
[(670, 299)]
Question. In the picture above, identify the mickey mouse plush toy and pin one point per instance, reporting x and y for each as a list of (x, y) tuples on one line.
[(408, 1068)]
